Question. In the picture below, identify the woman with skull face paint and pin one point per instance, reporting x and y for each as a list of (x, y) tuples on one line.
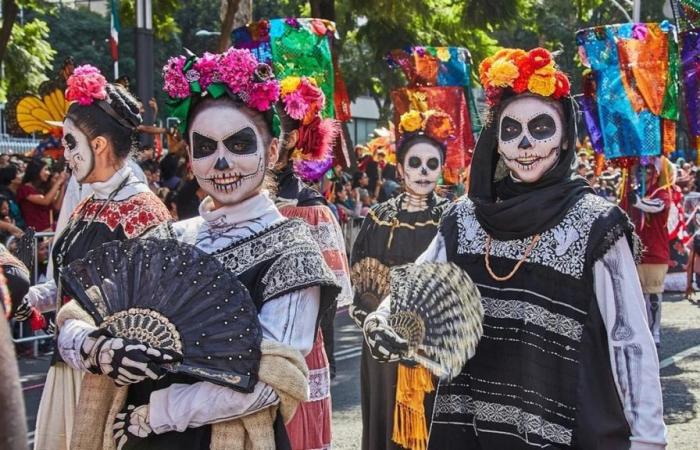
[(305, 136), (225, 102), (99, 133), (396, 232), (566, 359)]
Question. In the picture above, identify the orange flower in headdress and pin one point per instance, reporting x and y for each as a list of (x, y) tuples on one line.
[(522, 71), (439, 126)]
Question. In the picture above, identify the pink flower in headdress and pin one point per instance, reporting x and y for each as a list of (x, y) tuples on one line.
[(175, 83), (292, 22), (319, 27), (295, 105), (207, 66), (86, 85), (312, 95), (263, 95), (236, 68)]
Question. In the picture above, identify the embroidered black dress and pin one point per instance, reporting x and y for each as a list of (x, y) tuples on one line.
[(392, 236), (541, 376), (274, 261)]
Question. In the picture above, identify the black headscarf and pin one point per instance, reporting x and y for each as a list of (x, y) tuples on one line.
[(509, 210)]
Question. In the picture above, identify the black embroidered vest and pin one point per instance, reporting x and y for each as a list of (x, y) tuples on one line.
[(541, 375)]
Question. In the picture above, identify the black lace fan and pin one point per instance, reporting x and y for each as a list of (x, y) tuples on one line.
[(437, 308), (172, 296)]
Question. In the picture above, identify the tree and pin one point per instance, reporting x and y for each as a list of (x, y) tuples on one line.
[(164, 25), (27, 60)]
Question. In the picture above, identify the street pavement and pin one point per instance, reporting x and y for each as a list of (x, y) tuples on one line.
[(680, 378)]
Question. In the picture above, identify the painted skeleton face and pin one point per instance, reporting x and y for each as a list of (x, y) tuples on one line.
[(228, 154), (77, 151), (530, 137), (421, 168)]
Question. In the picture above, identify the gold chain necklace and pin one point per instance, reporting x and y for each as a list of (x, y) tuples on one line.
[(526, 255)]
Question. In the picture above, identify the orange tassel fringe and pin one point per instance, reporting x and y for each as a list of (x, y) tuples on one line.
[(410, 428)]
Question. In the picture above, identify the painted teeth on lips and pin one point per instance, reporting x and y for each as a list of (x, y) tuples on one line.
[(226, 179)]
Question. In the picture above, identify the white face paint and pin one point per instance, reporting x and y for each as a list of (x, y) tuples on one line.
[(530, 137), (228, 154), (421, 168), (77, 151)]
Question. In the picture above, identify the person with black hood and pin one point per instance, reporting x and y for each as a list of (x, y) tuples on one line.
[(566, 359)]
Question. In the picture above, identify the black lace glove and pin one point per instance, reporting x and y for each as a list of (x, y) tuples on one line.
[(131, 425), (124, 360), (383, 342)]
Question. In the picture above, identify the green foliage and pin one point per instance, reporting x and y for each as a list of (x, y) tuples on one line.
[(27, 60), (164, 24)]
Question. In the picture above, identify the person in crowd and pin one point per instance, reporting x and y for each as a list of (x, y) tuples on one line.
[(8, 227), (651, 222), (152, 171), (189, 197), (311, 425), (393, 233), (146, 153), (168, 171), (99, 133), (565, 335), (37, 203), (283, 270)]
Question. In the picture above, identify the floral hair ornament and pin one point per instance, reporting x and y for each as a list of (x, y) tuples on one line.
[(520, 71), (432, 123), (236, 73), (87, 86), (303, 101)]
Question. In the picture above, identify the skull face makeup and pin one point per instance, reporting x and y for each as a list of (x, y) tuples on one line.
[(421, 168), (530, 137), (77, 151), (228, 153)]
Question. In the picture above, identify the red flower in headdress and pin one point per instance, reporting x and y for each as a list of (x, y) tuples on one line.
[(562, 87), (539, 58), (316, 138), (439, 125)]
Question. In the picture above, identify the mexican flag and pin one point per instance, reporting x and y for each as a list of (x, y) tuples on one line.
[(115, 26)]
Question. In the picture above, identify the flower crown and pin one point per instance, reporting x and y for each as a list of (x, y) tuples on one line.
[(235, 71), (433, 123), (522, 71), (87, 86), (303, 101)]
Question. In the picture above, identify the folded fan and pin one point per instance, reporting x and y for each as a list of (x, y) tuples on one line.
[(437, 308), (172, 296)]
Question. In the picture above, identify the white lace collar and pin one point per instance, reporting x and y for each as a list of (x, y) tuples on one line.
[(259, 207)]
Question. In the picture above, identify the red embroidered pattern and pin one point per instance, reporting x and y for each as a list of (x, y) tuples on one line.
[(136, 214)]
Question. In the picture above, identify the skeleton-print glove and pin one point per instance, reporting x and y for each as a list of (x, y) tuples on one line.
[(358, 315), (124, 360), (383, 342), (131, 426), (23, 311)]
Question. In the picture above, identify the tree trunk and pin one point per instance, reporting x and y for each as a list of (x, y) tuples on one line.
[(229, 8), (323, 9), (9, 16)]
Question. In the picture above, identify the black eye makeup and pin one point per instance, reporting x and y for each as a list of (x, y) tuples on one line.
[(202, 146), (542, 127), (433, 163), (510, 129), (414, 162), (70, 141), (243, 142)]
